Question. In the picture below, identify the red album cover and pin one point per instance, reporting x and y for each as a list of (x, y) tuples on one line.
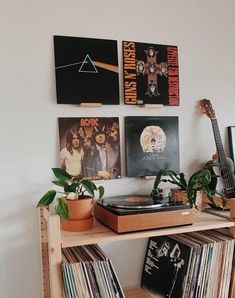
[(150, 74), (90, 147)]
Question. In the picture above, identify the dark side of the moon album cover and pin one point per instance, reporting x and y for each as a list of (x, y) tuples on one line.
[(86, 70)]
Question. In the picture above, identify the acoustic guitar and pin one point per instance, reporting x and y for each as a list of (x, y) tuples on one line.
[(225, 170)]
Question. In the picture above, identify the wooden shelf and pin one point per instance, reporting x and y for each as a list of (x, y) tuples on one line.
[(100, 234), (136, 292), (53, 238)]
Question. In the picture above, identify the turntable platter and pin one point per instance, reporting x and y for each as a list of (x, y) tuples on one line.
[(133, 202)]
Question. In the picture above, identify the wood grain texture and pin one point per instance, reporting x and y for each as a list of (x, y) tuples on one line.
[(101, 234), (135, 292), (143, 221)]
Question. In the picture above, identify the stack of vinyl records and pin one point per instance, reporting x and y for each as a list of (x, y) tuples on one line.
[(197, 264), (88, 273)]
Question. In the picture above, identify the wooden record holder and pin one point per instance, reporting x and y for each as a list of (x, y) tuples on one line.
[(90, 104), (143, 221), (227, 204)]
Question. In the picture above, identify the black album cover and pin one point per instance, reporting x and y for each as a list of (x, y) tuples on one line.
[(231, 138), (151, 73), (90, 147), (152, 143), (86, 70), (165, 267)]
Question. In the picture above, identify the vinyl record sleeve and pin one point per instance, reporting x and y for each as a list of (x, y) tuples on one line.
[(90, 147), (165, 267), (86, 70), (150, 73), (152, 143)]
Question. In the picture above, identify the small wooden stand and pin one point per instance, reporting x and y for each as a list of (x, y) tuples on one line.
[(147, 105), (147, 177), (90, 104)]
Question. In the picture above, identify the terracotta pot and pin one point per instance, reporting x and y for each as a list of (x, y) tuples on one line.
[(80, 209), (77, 225), (80, 215), (180, 196)]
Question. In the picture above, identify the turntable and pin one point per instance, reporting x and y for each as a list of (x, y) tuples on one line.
[(136, 213)]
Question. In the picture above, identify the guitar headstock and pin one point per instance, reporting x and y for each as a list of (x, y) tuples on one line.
[(206, 108)]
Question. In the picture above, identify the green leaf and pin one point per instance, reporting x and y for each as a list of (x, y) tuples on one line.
[(61, 208), (89, 186), (47, 199), (61, 183), (192, 195), (61, 174), (101, 191), (158, 178), (70, 188)]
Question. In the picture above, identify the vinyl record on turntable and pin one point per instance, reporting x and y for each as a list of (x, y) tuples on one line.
[(132, 202)]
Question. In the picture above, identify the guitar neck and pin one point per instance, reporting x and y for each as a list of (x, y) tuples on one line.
[(218, 142)]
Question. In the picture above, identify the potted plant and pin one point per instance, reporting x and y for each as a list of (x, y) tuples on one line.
[(198, 183), (74, 204)]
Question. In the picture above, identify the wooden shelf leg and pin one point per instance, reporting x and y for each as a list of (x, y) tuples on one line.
[(55, 257), (44, 255), (231, 204)]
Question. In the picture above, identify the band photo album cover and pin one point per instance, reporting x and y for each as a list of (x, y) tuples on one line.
[(150, 74), (152, 143), (165, 265), (90, 147), (86, 70)]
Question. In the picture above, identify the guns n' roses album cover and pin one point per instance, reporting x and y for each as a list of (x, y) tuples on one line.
[(90, 147), (151, 73), (86, 70), (152, 143)]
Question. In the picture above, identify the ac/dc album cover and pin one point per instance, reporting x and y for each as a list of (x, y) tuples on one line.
[(90, 147), (152, 143), (150, 73), (86, 70), (165, 267)]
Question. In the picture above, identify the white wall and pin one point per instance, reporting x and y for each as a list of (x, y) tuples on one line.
[(204, 33)]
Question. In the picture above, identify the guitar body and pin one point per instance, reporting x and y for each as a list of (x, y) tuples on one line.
[(225, 182), (224, 173)]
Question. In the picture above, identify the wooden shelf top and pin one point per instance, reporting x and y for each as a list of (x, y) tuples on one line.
[(101, 234)]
